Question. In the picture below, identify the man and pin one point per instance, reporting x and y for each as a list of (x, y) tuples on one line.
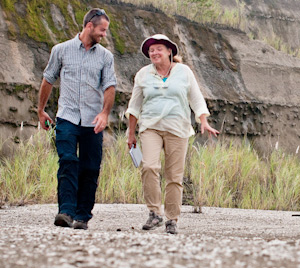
[(87, 91)]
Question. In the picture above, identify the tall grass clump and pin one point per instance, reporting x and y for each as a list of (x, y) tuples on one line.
[(231, 175), (119, 181), (285, 180), (201, 11), (277, 43), (29, 176), (220, 174)]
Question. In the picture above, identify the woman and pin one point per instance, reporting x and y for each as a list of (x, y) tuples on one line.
[(161, 99)]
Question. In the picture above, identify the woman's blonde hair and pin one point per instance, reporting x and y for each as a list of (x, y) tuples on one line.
[(177, 58)]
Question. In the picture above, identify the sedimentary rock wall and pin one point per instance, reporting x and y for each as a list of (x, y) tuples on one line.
[(270, 19), (251, 89)]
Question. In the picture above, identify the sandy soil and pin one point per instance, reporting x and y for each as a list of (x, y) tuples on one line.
[(216, 238)]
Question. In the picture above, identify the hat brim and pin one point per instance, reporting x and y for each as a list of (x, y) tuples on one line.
[(151, 41)]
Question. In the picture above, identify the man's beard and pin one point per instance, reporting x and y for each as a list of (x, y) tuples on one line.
[(95, 38)]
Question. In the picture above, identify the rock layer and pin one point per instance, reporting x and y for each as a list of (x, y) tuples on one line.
[(251, 89)]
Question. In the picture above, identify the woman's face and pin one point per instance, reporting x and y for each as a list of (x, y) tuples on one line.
[(159, 54)]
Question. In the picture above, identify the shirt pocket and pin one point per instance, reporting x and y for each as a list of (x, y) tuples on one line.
[(70, 72), (94, 76)]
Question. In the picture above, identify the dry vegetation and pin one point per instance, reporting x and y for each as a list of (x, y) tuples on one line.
[(216, 175)]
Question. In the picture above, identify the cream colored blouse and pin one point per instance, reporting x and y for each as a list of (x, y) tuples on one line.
[(166, 105)]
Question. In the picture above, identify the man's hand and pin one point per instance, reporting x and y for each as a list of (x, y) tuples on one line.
[(44, 94), (101, 122), (102, 118), (43, 117)]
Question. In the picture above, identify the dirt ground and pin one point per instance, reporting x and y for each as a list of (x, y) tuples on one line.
[(216, 238)]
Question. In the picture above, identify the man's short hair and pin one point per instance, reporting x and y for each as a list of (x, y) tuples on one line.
[(95, 15)]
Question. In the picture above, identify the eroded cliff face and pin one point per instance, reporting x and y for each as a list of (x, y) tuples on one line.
[(270, 19), (251, 89)]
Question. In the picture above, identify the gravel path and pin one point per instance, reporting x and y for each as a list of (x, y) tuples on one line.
[(216, 238)]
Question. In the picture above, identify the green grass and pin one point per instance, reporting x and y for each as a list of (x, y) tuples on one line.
[(37, 14), (234, 176), (211, 12), (119, 181), (30, 175), (221, 174), (115, 30), (9, 5), (279, 45), (202, 11)]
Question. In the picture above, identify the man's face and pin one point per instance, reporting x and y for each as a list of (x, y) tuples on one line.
[(99, 31)]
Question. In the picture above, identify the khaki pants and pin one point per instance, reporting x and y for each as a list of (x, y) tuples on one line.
[(175, 148)]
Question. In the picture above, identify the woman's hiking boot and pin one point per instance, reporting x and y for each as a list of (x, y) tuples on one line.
[(153, 221), (171, 227)]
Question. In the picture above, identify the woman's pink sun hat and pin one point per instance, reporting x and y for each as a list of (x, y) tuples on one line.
[(158, 39)]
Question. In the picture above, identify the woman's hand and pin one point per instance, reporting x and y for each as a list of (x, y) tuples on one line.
[(131, 141), (206, 126), (131, 131)]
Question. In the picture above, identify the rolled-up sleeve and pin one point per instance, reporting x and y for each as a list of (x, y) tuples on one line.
[(136, 100), (196, 99), (52, 70), (108, 77)]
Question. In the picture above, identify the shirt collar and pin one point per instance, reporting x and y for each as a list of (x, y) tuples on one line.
[(79, 44), (152, 69), (78, 41)]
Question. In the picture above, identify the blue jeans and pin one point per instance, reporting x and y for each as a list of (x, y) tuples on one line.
[(78, 169)]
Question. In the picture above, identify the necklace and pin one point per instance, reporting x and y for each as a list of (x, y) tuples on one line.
[(160, 75)]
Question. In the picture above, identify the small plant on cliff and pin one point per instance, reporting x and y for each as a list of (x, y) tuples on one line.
[(115, 30), (280, 45), (36, 20), (202, 11)]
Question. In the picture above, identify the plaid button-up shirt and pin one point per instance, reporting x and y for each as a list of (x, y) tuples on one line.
[(84, 76)]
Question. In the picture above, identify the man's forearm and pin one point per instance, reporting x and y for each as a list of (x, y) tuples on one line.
[(109, 98), (44, 94)]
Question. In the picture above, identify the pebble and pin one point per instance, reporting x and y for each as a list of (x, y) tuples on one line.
[(218, 237)]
